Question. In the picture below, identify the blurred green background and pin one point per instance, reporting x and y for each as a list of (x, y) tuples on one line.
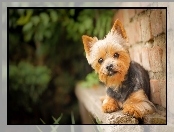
[(47, 60)]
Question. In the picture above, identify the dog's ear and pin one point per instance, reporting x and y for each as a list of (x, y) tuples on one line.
[(118, 27), (88, 42)]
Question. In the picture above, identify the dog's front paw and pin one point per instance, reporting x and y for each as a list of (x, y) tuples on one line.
[(131, 110), (109, 105), (138, 105), (108, 108)]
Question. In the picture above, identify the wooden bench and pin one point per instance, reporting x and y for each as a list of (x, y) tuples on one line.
[(90, 105)]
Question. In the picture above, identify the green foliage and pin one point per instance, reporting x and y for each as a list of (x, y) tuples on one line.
[(72, 118), (56, 121), (57, 29), (42, 121), (91, 80), (40, 24), (51, 37), (28, 82), (24, 18), (95, 120), (98, 121)]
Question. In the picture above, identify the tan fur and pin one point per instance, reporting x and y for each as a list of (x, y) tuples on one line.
[(119, 28), (88, 43), (138, 105), (118, 65), (109, 105)]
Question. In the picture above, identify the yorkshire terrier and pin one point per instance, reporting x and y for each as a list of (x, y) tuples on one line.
[(127, 82)]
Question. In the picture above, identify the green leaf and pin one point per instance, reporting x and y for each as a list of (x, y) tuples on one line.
[(108, 24), (35, 20), (81, 29), (88, 23), (56, 121), (28, 36), (38, 36), (45, 18), (72, 118), (27, 27), (47, 34), (53, 16), (42, 121), (98, 121), (72, 12), (24, 19)]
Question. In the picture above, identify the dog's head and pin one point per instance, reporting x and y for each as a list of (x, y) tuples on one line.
[(109, 56)]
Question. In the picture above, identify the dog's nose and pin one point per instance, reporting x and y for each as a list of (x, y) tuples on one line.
[(109, 67)]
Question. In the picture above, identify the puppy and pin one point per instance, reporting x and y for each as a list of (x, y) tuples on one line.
[(127, 82)]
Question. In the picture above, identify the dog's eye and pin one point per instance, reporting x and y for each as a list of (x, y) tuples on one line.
[(116, 55), (100, 60)]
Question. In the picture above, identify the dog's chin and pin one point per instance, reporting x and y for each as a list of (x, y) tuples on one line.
[(112, 73), (111, 79)]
